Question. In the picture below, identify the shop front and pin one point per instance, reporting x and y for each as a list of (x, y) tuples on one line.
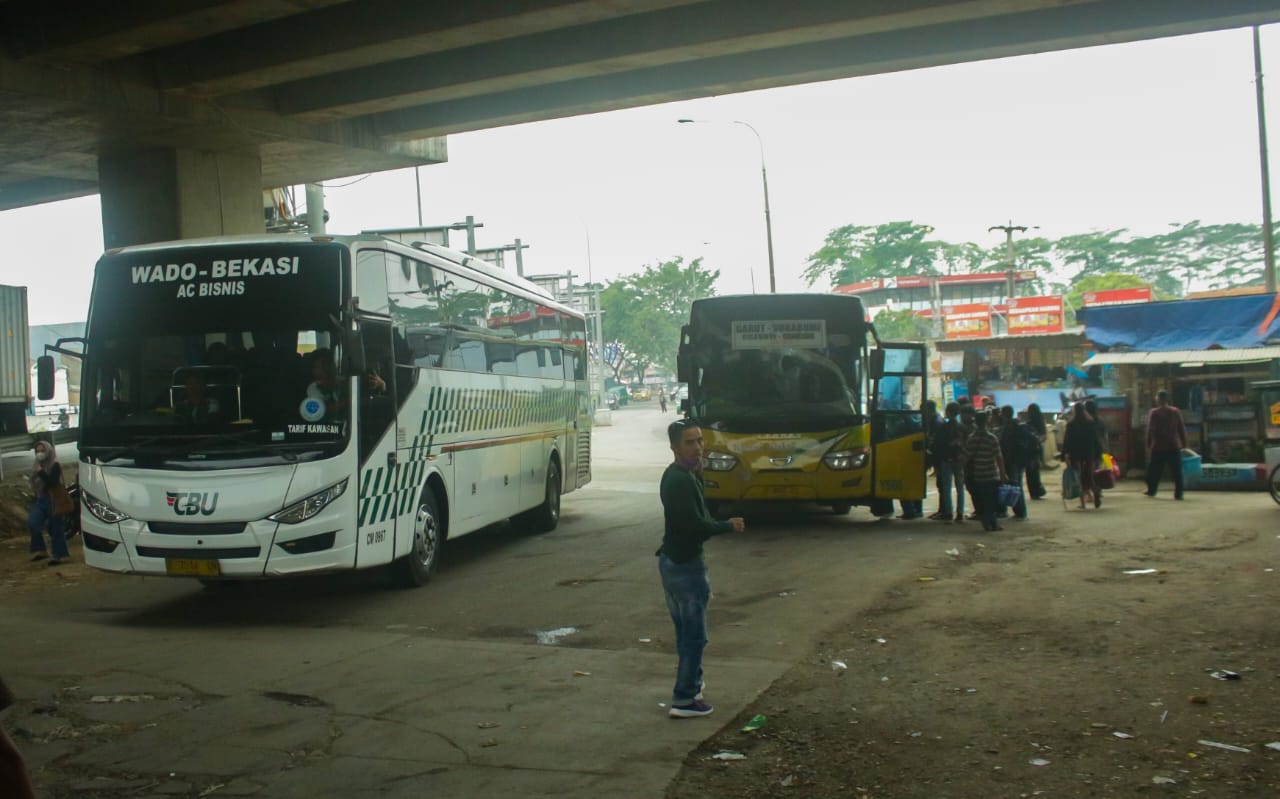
[(1208, 354)]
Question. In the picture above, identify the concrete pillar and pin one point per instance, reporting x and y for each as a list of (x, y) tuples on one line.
[(164, 193)]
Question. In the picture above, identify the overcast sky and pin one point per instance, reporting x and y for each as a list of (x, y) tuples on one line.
[(1134, 136)]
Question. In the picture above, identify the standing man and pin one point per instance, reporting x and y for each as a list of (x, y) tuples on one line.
[(684, 574), (984, 470), (1166, 438)]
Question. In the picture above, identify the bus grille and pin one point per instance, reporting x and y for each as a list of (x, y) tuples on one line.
[(188, 528), (199, 553)]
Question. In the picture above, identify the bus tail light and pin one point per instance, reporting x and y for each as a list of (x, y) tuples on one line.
[(843, 460), (102, 511), (307, 507), (720, 462)]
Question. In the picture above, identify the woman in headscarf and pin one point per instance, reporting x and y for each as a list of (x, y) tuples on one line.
[(46, 473), (1082, 450)]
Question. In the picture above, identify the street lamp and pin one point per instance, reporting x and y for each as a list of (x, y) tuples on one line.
[(764, 179)]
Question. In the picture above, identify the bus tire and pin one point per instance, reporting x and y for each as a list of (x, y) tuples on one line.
[(841, 508), (545, 517), (416, 568)]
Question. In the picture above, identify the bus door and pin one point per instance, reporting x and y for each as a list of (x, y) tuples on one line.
[(897, 424), (380, 476)]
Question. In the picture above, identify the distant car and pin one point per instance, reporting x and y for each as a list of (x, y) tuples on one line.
[(641, 393)]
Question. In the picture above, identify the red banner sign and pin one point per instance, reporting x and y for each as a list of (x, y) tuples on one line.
[(1029, 315), (967, 321), (1116, 297)]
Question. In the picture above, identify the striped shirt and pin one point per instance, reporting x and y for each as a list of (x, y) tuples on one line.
[(983, 449)]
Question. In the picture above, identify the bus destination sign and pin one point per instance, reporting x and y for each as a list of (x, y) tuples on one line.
[(778, 333)]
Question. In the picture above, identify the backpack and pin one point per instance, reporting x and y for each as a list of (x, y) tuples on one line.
[(1022, 444)]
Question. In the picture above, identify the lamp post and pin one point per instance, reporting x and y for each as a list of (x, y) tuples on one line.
[(764, 180)]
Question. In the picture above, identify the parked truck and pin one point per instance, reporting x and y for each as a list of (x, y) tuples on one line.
[(15, 365)]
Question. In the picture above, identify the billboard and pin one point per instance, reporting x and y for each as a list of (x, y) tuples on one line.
[(1030, 315), (967, 321), (1116, 297)]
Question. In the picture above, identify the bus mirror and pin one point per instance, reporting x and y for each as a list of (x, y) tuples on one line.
[(877, 364), (682, 367), (44, 377), (353, 353)]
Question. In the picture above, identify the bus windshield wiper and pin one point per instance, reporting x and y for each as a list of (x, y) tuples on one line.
[(108, 452)]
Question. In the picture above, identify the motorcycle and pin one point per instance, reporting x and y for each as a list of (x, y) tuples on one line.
[(613, 402)]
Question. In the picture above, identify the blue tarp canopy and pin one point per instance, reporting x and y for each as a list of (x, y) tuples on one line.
[(1220, 322)]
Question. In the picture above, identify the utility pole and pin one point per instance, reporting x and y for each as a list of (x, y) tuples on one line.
[(1268, 237), (1009, 230)]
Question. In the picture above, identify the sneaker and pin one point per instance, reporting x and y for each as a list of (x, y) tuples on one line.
[(696, 710)]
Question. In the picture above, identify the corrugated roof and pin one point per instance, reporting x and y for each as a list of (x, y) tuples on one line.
[(1243, 355)]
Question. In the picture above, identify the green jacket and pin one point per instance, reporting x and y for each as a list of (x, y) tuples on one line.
[(688, 523)]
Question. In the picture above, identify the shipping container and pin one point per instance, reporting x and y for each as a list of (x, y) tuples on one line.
[(15, 376)]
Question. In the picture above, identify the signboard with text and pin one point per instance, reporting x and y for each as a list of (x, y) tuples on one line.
[(1116, 297), (1030, 315), (774, 333), (967, 321)]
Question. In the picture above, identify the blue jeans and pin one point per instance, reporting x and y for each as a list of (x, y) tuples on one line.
[(949, 474), (1016, 474), (688, 592), (40, 514)]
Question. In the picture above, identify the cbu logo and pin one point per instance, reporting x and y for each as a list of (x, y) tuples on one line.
[(189, 503)]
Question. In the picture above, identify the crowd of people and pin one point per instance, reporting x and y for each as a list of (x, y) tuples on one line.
[(994, 457)]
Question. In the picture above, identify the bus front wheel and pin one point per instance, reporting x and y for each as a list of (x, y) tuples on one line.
[(417, 567), (545, 517)]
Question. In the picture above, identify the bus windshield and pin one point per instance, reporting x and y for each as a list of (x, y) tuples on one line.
[(189, 358), (783, 365)]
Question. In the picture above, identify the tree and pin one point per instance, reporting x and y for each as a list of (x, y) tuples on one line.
[(643, 313), (854, 253), (903, 325), (1089, 283)]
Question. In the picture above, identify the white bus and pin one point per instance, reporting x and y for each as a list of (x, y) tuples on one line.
[(273, 405)]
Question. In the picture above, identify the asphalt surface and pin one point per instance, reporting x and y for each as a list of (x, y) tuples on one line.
[(537, 665)]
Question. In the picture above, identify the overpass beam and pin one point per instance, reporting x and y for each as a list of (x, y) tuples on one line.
[(164, 193)]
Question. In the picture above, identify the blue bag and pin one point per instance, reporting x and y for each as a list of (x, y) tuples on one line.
[(1008, 494)]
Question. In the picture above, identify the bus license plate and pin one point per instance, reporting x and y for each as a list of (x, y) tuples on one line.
[(192, 567)]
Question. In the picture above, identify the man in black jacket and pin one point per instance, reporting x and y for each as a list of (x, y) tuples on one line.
[(684, 574)]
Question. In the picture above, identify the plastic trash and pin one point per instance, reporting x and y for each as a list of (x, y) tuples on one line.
[(1164, 781), (1228, 747), (552, 637), (1123, 735), (1275, 745), (954, 552), (1142, 571), (757, 721), (786, 781), (1223, 674), (1038, 761), (881, 641), (646, 640), (582, 674), (488, 725), (728, 756), (926, 579), (839, 665)]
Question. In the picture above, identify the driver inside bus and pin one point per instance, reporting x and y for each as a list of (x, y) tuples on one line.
[(197, 406), (327, 388)]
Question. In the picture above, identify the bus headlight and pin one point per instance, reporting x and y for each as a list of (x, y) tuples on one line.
[(305, 508), (845, 459), (101, 510), (720, 462)]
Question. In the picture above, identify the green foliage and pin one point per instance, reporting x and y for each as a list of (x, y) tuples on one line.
[(903, 325), (643, 314), (1189, 255), (855, 253)]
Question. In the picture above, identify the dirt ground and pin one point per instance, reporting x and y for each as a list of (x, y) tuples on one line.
[(1026, 664), (1030, 664)]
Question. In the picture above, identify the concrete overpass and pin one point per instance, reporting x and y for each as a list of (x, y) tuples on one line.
[(180, 112)]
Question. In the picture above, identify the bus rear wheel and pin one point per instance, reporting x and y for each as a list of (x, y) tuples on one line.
[(545, 517), (416, 568)]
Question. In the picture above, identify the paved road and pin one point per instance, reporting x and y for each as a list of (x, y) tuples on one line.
[(345, 687)]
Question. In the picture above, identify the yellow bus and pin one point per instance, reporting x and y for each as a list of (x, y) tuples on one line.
[(799, 401)]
